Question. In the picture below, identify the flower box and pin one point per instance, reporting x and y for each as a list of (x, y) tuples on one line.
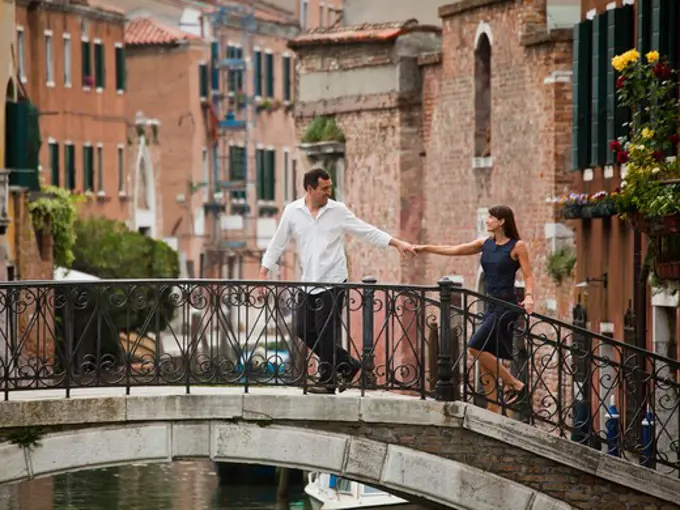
[(571, 211), (668, 270), (659, 225), (605, 209)]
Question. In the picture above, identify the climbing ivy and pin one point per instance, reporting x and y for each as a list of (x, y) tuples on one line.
[(323, 129), (55, 213)]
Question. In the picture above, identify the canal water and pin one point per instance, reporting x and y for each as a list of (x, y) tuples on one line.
[(190, 485)]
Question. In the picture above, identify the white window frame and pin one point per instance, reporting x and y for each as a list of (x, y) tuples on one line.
[(21, 54), (205, 172), (99, 170), (287, 195), (49, 58), (322, 14), (68, 62), (304, 14), (50, 142), (120, 169)]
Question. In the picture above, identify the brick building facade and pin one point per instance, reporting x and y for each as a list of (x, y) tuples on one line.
[(486, 119), (71, 64)]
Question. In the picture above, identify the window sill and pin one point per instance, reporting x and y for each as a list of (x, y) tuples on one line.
[(67, 85), (23, 79), (50, 84), (122, 195), (99, 90), (120, 92), (481, 163), (86, 88)]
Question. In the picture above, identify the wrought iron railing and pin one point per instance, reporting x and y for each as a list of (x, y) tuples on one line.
[(607, 394)]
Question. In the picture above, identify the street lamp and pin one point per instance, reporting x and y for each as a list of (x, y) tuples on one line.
[(586, 283)]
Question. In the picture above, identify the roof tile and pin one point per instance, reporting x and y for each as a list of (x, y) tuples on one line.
[(147, 31), (367, 32)]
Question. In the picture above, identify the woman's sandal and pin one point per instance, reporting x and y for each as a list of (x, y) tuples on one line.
[(513, 396)]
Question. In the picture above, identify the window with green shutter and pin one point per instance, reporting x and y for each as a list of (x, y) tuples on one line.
[(239, 73), (99, 66), (270, 175), (54, 163), (598, 113), (203, 80), (259, 174), (620, 38), (231, 54), (287, 75), (269, 72), (120, 69), (581, 95), (86, 54), (70, 166), (663, 36), (237, 169), (257, 72), (644, 25), (88, 168)]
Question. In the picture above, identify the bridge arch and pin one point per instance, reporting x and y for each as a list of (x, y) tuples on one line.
[(402, 471)]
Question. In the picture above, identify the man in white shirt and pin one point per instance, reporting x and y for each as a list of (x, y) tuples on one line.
[(319, 225)]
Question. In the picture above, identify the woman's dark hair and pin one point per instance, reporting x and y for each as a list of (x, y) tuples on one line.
[(503, 212)]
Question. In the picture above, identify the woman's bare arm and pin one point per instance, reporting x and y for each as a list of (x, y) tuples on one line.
[(452, 251), (525, 263)]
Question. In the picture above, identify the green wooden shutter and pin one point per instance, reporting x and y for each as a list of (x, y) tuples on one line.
[(120, 69), (620, 38), (257, 73), (70, 164), (99, 66), (239, 73), (86, 49), (598, 114), (231, 54), (270, 175), (663, 32), (286, 78), (644, 26), (269, 70), (259, 168), (581, 95), (54, 163), (203, 80)]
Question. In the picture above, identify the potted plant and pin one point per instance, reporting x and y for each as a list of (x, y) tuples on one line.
[(650, 193)]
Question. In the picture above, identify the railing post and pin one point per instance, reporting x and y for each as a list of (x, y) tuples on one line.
[(445, 388), (368, 340)]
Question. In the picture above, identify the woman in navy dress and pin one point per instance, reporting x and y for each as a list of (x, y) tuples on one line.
[(503, 254)]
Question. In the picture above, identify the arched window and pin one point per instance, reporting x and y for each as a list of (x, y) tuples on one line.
[(483, 97)]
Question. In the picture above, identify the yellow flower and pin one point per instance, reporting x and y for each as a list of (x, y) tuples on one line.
[(620, 62), (647, 133), (652, 57)]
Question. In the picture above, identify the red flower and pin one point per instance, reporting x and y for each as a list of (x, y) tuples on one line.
[(615, 145), (622, 157), (661, 70), (658, 155), (620, 82), (674, 138)]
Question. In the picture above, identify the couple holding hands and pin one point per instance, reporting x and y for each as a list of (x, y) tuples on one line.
[(319, 224)]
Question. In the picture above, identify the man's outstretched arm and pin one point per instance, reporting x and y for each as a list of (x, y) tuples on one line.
[(372, 234), (276, 246)]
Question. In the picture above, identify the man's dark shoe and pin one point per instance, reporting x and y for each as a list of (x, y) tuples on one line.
[(347, 378), (321, 390)]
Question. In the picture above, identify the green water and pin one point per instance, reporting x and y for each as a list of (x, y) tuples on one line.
[(192, 485)]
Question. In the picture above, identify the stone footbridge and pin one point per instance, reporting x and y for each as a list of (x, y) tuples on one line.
[(447, 454)]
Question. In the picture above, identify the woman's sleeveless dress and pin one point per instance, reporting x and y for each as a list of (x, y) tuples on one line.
[(495, 333)]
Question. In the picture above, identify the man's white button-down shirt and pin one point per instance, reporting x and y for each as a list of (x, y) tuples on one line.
[(320, 241)]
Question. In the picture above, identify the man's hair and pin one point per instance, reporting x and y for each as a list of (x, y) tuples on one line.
[(312, 177)]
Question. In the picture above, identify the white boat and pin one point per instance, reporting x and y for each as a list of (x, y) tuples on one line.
[(331, 492)]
